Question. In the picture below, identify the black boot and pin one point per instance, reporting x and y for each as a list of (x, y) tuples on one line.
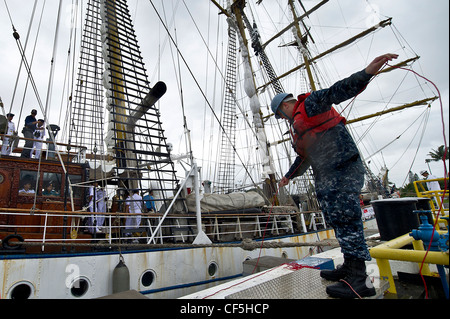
[(336, 274), (355, 285)]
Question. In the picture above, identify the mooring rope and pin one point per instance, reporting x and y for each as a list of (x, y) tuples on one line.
[(246, 244)]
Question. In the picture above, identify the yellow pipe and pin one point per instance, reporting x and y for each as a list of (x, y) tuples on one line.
[(435, 199), (433, 257), (386, 274), (391, 251), (418, 245)]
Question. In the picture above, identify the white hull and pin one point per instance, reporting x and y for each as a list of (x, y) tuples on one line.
[(176, 272)]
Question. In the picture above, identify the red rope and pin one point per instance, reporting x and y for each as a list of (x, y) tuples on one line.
[(445, 172), (350, 286)]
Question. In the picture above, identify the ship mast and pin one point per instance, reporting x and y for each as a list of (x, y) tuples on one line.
[(238, 20), (270, 179), (236, 14), (138, 154), (113, 81), (303, 50)]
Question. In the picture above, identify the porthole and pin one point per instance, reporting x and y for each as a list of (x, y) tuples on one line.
[(148, 278), (79, 287), (212, 269), (21, 291), (284, 255)]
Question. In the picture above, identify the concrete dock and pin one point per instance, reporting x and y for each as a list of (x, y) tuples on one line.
[(279, 278)]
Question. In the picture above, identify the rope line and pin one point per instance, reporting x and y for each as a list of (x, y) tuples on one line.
[(445, 172), (246, 244)]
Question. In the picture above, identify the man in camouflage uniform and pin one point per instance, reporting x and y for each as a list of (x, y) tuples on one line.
[(322, 142)]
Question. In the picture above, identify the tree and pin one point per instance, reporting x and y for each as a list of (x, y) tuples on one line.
[(412, 177), (438, 155), (408, 190)]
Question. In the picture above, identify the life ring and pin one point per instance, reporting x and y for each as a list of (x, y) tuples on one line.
[(7, 246)]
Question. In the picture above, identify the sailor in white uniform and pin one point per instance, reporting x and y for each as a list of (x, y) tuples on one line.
[(39, 134), (432, 186), (101, 207), (133, 205), (92, 207), (7, 141)]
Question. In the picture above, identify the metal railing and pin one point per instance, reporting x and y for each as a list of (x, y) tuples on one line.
[(77, 156), (395, 248), (72, 227), (438, 199)]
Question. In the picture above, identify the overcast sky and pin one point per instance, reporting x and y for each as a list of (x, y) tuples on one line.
[(423, 26)]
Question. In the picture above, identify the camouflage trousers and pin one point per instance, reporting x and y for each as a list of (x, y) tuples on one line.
[(338, 194)]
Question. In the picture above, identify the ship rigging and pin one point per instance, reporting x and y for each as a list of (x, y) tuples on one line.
[(119, 130)]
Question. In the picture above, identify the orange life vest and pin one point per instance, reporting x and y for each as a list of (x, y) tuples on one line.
[(306, 130)]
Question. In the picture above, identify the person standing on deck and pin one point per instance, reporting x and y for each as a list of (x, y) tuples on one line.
[(10, 131), (321, 141), (149, 200), (101, 207), (39, 134), (28, 130), (432, 186), (92, 206), (133, 205)]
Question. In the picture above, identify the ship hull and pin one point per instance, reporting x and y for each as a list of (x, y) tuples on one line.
[(159, 273)]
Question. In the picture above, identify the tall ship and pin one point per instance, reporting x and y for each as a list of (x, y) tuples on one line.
[(169, 175)]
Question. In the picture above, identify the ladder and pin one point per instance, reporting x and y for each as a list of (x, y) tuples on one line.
[(113, 84), (228, 135)]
